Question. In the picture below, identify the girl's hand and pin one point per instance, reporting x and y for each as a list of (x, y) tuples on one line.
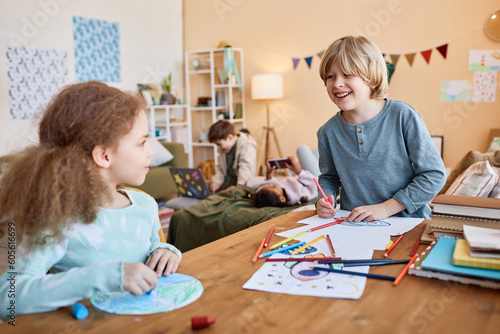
[(324, 208), (294, 165), (269, 170), (138, 278), (165, 262)]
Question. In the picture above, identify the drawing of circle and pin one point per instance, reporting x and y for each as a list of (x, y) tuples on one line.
[(303, 271), (356, 289)]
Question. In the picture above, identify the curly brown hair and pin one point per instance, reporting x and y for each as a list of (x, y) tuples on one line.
[(56, 182)]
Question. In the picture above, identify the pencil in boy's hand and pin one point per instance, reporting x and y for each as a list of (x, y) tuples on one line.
[(269, 237), (256, 256), (393, 246), (323, 194)]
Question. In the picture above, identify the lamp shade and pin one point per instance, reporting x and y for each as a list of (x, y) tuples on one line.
[(267, 86)]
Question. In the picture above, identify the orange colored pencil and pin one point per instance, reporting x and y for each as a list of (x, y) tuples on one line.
[(393, 246), (256, 256), (330, 244), (405, 270), (269, 237), (307, 245)]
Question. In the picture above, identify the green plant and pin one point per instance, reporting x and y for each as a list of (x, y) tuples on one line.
[(166, 84)]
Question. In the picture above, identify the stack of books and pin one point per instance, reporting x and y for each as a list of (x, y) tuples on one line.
[(459, 261)]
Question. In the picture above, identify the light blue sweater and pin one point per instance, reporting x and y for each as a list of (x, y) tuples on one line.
[(389, 156), (90, 259)]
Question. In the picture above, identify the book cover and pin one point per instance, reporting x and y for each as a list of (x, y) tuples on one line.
[(461, 257), (441, 259), (469, 206), (417, 270), (481, 238)]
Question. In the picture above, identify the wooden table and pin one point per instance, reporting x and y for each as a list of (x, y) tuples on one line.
[(416, 305)]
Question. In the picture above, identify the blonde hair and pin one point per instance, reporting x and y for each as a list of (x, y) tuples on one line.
[(358, 56), (56, 183)]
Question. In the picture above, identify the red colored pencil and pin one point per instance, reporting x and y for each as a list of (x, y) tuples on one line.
[(393, 246), (414, 251), (330, 244), (269, 237), (323, 193), (338, 221), (303, 259), (256, 256)]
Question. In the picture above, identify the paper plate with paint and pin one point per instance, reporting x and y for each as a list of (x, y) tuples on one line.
[(172, 292)]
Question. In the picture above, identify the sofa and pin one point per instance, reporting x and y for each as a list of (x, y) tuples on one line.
[(159, 183)]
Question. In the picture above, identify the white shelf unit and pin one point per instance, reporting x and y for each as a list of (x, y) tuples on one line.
[(164, 119), (204, 81)]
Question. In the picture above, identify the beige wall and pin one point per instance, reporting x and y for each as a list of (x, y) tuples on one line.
[(272, 32), (150, 45)]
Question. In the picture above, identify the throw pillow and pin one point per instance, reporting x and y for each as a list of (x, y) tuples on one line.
[(478, 180), (160, 154)]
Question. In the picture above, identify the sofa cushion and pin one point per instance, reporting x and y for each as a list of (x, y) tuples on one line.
[(478, 181), (470, 158), (160, 154)]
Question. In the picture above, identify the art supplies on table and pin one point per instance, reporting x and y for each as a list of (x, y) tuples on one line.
[(416, 269)]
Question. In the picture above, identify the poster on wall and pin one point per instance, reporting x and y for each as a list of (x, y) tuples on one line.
[(97, 50), (34, 76), (485, 84), (456, 90), (484, 60)]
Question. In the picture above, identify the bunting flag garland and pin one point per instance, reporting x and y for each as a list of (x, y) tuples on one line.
[(394, 59), (443, 49), (320, 54), (295, 62), (410, 57), (427, 55)]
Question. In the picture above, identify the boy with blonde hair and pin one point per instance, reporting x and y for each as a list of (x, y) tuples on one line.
[(375, 152)]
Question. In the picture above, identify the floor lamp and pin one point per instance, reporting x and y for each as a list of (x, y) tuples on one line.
[(268, 86)]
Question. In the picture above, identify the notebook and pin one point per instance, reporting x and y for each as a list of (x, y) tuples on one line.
[(461, 257), (190, 182), (441, 259)]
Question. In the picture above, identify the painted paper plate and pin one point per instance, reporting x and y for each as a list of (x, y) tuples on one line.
[(172, 292)]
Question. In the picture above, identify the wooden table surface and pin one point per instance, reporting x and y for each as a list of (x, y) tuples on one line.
[(416, 305)]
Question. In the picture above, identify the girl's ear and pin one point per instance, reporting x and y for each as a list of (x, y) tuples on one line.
[(282, 199), (100, 156)]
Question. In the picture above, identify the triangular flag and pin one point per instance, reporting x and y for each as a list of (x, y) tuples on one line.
[(410, 57), (443, 49), (383, 55), (309, 61), (427, 55), (295, 62), (320, 54), (394, 59)]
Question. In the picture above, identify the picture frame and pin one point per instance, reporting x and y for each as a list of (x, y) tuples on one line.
[(438, 141)]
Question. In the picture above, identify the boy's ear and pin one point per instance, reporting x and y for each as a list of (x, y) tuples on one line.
[(100, 156)]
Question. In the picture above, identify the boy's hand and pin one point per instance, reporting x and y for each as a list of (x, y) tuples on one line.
[(165, 262), (138, 278), (294, 165), (324, 208), (214, 187), (380, 211)]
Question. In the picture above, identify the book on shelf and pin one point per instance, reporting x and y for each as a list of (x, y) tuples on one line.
[(417, 270), (453, 223), (468, 206), (483, 242), (462, 257), (441, 260)]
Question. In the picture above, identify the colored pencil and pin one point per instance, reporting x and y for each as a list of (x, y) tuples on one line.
[(414, 251), (303, 259), (269, 237), (307, 245), (256, 256), (375, 263), (287, 240), (389, 245), (323, 193), (393, 246), (355, 273), (405, 270), (281, 250), (354, 261), (330, 244), (338, 221)]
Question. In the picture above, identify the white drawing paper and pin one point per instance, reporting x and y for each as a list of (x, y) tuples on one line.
[(485, 84), (456, 90), (484, 60)]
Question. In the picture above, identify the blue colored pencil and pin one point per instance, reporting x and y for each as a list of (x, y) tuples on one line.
[(281, 249), (355, 273)]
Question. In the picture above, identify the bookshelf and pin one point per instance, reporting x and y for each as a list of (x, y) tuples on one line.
[(171, 123), (215, 90)]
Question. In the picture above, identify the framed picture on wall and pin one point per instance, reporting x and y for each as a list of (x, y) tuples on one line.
[(438, 141)]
